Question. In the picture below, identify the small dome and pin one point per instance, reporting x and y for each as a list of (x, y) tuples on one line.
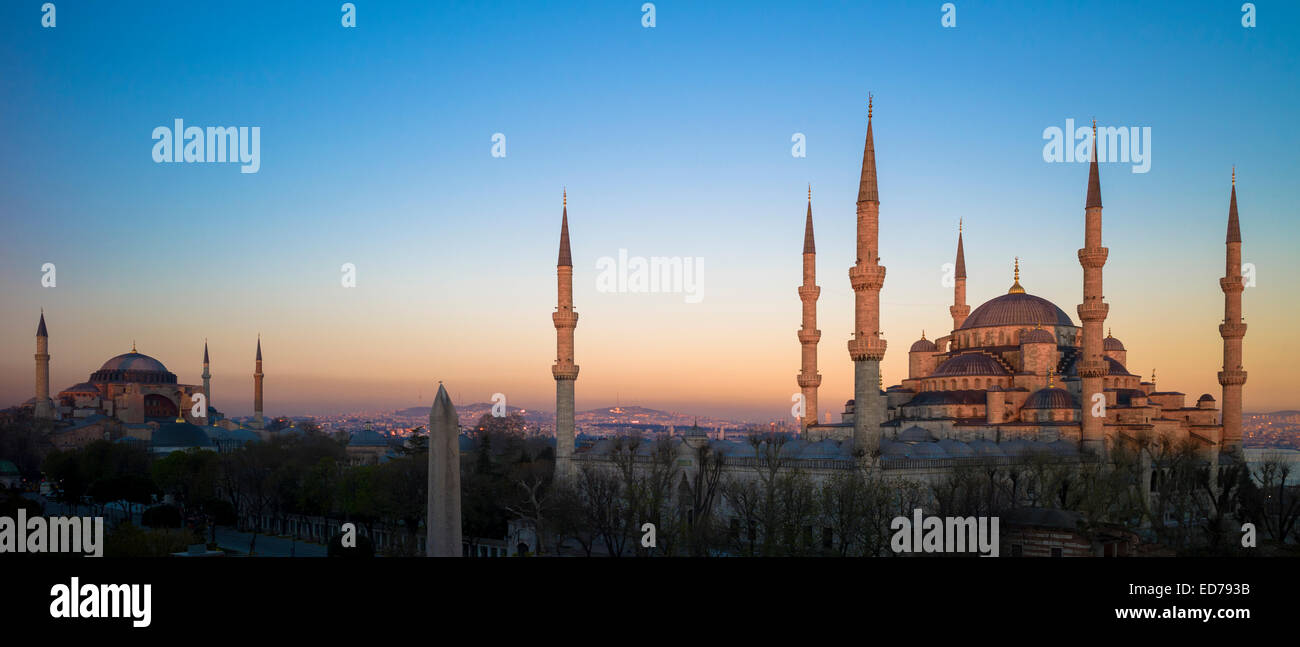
[(916, 435), (179, 435), (1038, 336), (970, 364), (923, 345), (1205, 397), (367, 438), (1050, 398), (1110, 343)]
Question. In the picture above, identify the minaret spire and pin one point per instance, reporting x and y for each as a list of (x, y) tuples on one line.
[(258, 422), (207, 376), (1092, 366), (564, 371), (959, 310), (1233, 329), (809, 379), (44, 409), (867, 276)]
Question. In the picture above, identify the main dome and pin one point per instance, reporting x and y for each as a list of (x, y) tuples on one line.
[(133, 361), (133, 367), (1017, 309)]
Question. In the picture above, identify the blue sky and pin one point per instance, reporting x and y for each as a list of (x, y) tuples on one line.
[(673, 140)]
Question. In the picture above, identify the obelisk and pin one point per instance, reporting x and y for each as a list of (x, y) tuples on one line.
[(443, 522)]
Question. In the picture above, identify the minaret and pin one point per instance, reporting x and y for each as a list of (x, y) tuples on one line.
[(808, 378), (257, 389), (44, 407), (959, 308), (565, 371), (866, 349), (1092, 312), (207, 376), (1232, 377)]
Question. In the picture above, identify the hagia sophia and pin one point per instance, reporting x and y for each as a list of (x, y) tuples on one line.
[(1014, 378), (133, 398)]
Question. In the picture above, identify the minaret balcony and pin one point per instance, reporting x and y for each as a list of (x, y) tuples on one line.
[(1093, 368), (1235, 377), (1232, 330), (1093, 310), (867, 349), (565, 319), (1093, 257), (867, 277), (565, 371), (807, 292), (809, 336), (1232, 284), (809, 381)]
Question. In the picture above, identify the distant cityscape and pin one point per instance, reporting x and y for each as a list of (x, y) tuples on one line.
[(1277, 429)]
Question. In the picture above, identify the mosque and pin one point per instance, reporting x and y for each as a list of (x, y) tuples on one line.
[(133, 398), (1015, 377)]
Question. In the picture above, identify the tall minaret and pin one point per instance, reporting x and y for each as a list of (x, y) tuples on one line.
[(1092, 312), (866, 349), (565, 371), (808, 378), (44, 407), (258, 423), (959, 309), (1232, 377), (207, 376)]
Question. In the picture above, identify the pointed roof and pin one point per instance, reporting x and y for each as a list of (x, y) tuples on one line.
[(566, 258), (1234, 226), (442, 416), (205, 351), (41, 332), (808, 246), (1094, 180), (867, 185), (259, 348), (961, 254)]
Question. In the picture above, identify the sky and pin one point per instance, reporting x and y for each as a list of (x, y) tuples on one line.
[(377, 149)]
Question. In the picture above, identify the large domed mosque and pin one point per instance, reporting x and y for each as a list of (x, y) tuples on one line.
[(133, 398), (1016, 377)]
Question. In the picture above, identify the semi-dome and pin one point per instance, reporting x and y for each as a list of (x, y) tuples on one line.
[(1017, 309), (970, 364), (84, 387), (1050, 398), (1038, 336), (180, 435), (133, 367)]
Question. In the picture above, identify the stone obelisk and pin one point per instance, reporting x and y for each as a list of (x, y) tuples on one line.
[(443, 521)]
